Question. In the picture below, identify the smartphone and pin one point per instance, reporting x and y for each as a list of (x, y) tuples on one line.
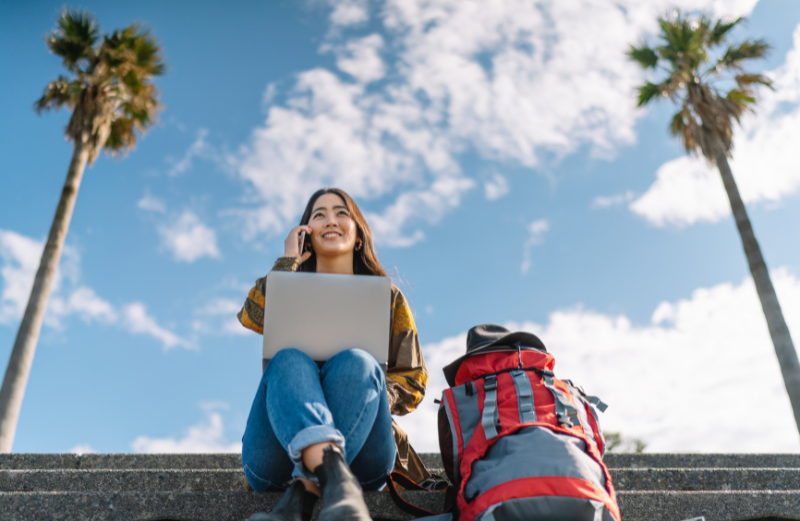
[(302, 240)]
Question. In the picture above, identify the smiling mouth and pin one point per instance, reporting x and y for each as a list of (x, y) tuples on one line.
[(330, 235)]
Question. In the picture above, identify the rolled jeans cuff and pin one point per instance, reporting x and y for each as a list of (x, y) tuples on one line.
[(307, 437)]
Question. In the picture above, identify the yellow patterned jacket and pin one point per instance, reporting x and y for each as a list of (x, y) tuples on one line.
[(406, 376)]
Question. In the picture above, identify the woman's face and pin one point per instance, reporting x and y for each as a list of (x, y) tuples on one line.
[(333, 229)]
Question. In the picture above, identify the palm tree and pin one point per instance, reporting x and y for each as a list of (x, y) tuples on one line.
[(695, 64), (112, 97)]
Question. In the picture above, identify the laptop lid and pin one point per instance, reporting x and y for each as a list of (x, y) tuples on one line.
[(323, 314)]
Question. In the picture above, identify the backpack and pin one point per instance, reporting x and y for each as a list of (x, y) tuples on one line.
[(519, 444)]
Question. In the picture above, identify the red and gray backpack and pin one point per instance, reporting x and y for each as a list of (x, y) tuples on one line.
[(518, 443)]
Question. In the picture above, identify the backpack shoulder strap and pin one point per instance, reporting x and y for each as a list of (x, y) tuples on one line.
[(408, 484)]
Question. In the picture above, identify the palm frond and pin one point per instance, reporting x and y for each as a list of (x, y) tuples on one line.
[(128, 59), (652, 91), (57, 94), (148, 54), (122, 137), (643, 55), (747, 50), (78, 25), (677, 125), (701, 29), (737, 101), (684, 126), (133, 82), (747, 81), (74, 38), (684, 41), (720, 31), (141, 110), (647, 93), (132, 54), (113, 97), (705, 122)]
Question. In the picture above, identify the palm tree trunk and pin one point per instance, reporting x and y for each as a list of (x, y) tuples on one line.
[(778, 330), (19, 366)]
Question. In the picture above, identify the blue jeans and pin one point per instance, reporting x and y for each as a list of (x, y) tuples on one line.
[(298, 405)]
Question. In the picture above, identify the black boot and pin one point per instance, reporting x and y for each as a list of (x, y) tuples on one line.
[(295, 505), (342, 497)]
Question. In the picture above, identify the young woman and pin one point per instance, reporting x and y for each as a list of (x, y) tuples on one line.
[(322, 431)]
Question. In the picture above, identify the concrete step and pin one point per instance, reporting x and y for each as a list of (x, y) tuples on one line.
[(672, 461), (754, 505), (176, 506), (432, 460), (705, 479), (195, 487), (230, 480), (706, 461), (105, 480), (237, 506), (120, 461)]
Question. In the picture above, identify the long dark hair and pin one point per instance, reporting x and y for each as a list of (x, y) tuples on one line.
[(365, 260)]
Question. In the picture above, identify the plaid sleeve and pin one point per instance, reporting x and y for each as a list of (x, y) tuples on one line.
[(251, 315), (407, 376)]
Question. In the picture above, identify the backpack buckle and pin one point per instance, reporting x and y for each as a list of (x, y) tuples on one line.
[(490, 383)]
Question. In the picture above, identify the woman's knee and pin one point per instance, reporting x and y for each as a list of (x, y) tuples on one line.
[(290, 358), (354, 368), (259, 484), (355, 360), (373, 465)]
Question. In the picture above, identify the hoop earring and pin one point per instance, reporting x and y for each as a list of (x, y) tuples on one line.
[(359, 245)]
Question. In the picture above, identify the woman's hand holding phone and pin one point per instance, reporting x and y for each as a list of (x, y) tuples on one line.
[(293, 245)]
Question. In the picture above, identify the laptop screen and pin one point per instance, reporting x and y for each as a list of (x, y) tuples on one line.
[(323, 314)]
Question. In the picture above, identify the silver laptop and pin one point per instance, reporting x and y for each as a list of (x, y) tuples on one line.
[(322, 314)]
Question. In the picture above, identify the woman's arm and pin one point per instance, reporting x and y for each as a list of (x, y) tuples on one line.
[(252, 314), (407, 376)]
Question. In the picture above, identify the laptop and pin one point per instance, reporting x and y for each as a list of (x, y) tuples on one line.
[(322, 314)]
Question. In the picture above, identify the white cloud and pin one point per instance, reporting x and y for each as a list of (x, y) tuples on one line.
[(536, 231), (689, 190), (83, 448), (349, 12), (226, 309), (200, 148), (462, 75), (233, 283), (684, 383), (20, 257), (361, 58), (206, 437), (496, 187), (422, 205), (152, 204), (221, 306), (269, 95), (136, 320), (333, 133), (85, 303), (496, 68), (188, 239), (612, 200)]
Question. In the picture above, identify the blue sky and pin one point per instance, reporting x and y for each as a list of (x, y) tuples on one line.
[(505, 171)]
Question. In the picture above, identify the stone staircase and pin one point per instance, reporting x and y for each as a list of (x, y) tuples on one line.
[(189, 487)]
